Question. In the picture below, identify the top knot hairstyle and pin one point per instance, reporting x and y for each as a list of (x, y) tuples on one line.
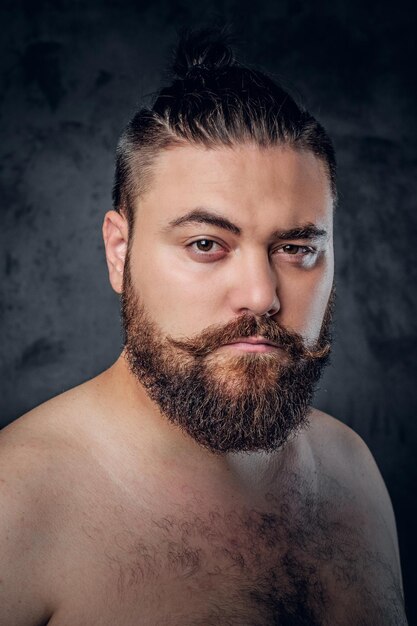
[(212, 101)]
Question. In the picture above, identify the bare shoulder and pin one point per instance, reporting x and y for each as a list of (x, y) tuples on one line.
[(57, 422), (26, 477), (340, 450), (38, 457), (43, 442), (345, 457), (35, 447)]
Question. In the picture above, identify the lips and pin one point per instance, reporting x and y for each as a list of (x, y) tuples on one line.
[(256, 341)]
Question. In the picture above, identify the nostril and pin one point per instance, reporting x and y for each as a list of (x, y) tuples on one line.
[(273, 310)]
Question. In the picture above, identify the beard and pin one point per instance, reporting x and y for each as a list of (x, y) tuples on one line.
[(244, 402)]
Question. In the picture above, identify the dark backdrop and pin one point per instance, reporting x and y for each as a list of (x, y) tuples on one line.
[(71, 75)]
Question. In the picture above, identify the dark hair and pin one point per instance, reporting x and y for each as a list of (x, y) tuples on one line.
[(213, 101)]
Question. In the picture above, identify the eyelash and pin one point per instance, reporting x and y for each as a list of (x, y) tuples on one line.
[(202, 252), (307, 250)]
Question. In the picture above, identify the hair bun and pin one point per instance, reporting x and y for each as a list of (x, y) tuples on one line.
[(199, 52)]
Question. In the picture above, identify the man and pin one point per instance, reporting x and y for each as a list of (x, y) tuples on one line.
[(192, 483)]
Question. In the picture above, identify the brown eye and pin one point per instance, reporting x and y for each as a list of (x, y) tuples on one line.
[(206, 250), (204, 245), (291, 249)]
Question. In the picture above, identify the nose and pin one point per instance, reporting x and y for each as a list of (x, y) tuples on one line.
[(255, 287)]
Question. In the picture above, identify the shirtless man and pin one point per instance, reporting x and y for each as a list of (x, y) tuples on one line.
[(191, 484)]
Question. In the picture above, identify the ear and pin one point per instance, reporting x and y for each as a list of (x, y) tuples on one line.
[(115, 235)]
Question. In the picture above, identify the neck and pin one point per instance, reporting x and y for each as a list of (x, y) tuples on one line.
[(144, 427)]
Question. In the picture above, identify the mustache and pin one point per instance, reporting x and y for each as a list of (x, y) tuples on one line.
[(248, 326)]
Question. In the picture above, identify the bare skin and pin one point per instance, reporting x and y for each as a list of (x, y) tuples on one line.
[(112, 515)]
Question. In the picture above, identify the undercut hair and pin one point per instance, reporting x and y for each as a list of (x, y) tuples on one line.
[(212, 101)]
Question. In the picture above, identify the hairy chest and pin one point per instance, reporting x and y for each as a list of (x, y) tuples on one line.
[(295, 559)]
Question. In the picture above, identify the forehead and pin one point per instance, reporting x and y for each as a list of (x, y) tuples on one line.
[(250, 184)]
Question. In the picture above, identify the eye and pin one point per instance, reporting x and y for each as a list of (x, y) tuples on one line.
[(205, 250), (294, 250), (296, 255), (204, 245)]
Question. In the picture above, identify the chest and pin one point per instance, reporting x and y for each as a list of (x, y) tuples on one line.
[(292, 561)]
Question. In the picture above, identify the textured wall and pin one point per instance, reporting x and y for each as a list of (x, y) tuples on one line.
[(71, 75)]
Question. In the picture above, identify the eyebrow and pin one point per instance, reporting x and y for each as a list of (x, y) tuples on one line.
[(207, 216)]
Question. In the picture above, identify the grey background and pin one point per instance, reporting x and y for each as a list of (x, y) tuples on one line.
[(72, 74)]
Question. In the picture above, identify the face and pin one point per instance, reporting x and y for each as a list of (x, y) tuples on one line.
[(225, 290)]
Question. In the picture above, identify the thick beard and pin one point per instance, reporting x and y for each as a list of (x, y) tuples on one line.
[(248, 402)]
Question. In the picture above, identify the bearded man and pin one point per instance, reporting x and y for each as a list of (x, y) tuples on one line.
[(192, 484)]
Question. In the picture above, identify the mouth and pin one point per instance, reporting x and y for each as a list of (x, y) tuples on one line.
[(255, 341), (253, 344)]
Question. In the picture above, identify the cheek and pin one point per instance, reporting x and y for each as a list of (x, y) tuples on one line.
[(318, 307), (180, 297), (304, 301)]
